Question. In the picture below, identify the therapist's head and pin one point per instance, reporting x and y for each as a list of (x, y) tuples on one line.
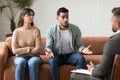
[(115, 19)]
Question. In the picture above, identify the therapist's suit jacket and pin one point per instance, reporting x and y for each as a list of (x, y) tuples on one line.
[(111, 48)]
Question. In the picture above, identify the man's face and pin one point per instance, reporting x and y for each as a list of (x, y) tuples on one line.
[(63, 19), (114, 23)]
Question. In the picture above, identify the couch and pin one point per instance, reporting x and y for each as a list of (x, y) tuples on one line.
[(7, 68)]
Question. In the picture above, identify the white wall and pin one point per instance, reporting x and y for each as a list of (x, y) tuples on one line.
[(92, 16)]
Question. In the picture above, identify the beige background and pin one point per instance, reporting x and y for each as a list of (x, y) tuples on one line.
[(92, 16)]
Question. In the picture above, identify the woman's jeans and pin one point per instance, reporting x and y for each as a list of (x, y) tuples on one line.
[(76, 59), (31, 62)]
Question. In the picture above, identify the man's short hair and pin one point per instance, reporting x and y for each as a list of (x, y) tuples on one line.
[(63, 10)]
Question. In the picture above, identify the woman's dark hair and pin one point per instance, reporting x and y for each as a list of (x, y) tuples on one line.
[(23, 13), (62, 9)]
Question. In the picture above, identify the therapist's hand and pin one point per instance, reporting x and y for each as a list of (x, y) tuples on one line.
[(90, 66)]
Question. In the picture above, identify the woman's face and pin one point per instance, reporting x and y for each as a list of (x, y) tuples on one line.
[(28, 18)]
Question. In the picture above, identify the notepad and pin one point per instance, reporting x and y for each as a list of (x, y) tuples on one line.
[(82, 71)]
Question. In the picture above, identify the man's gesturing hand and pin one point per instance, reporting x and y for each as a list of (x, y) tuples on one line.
[(49, 54), (86, 50)]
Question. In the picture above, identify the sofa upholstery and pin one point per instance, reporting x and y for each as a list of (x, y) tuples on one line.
[(7, 68)]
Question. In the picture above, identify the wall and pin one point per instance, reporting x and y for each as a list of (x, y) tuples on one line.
[(92, 16)]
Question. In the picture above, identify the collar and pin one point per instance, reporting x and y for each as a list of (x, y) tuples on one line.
[(117, 32)]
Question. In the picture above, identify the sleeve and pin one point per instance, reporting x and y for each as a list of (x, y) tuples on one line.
[(49, 40), (78, 39), (111, 48), (38, 43), (15, 46)]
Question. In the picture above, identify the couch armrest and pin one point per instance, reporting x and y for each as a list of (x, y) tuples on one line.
[(3, 57)]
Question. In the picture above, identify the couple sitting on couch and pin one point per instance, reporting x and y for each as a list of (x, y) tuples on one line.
[(63, 46)]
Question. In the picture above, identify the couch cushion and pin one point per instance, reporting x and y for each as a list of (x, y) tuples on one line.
[(96, 42), (43, 45), (94, 58)]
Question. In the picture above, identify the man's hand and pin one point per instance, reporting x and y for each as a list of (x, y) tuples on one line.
[(90, 66), (86, 50), (49, 54)]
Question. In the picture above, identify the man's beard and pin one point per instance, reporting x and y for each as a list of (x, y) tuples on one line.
[(113, 29), (65, 25)]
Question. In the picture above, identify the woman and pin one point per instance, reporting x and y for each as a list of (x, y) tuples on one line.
[(26, 45)]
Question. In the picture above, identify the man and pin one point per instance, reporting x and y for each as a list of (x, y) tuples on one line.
[(111, 48), (64, 44)]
